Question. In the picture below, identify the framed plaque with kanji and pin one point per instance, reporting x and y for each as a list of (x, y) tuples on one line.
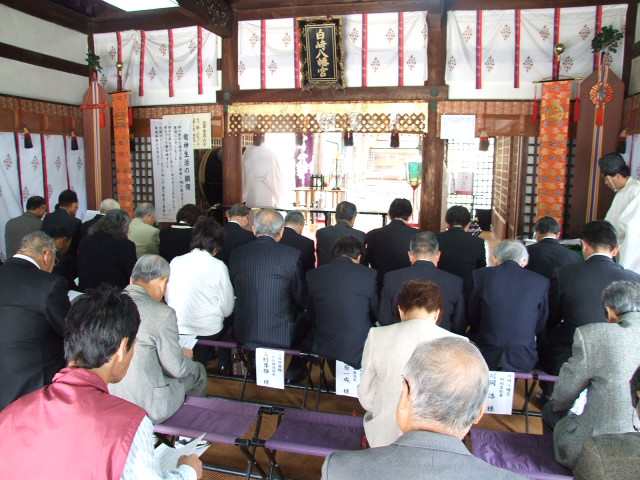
[(321, 52)]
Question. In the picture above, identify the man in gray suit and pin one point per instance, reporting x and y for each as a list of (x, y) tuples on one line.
[(444, 387), (161, 373), (30, 221), (604, 357)]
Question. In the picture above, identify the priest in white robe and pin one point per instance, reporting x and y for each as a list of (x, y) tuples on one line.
[(262, 179), (624, 213)]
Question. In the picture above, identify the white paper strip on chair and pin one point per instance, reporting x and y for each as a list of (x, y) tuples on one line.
[(249, 48), (56, 168), (352, 43), (270, 368), (500, 394), (415, 48), (382, 49), (76, 168), (10, 204), (279, 53), (31, 170), (347, 380)]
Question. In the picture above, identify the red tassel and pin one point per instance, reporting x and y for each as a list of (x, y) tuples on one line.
[(535, 114), (103, 119), (576, 110), (600, 116)]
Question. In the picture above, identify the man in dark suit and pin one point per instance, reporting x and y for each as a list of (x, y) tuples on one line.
[(106, 205), (29, 221), (508, 309), (66, 209), (576, 292), (327, 237), (292, 236), (33, 304), (268, 282), (424, 255), (547, 255), (237, 230), (387, 247), (461, 252), (176, 239), (343, 304)]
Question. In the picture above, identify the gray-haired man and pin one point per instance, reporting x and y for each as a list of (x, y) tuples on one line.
[(161, 373), (142, 231), (445, 385), (269, 286), (508, 309)]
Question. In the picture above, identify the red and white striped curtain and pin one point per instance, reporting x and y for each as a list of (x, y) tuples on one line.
[(161, 67), (55, 163), (511, 49), (30, 168), (76, 171), (382, 49)]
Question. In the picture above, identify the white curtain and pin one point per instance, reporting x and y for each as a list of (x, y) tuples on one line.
[(55, 157), (280, 53), (249, 48), (10, 205), (31, 170), (77, 179)]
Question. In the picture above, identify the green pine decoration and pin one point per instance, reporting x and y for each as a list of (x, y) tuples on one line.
[(606, 40), (93, 62)]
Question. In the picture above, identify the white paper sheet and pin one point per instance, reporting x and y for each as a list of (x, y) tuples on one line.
[(580, 403), (270, 368), (347, 380), (500, 394), (166, 457)]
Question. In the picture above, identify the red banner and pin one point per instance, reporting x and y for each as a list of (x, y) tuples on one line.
[(552, 160)]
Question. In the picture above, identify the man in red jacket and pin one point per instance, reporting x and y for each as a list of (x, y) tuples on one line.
[(74, 427)]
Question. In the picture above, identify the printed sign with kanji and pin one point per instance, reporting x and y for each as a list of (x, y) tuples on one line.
[(347, 380), (270, 368), (500, 394)]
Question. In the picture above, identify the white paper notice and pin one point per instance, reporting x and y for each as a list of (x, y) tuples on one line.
[(201, 128), (188, 341), (166, 457), (270, 368), (500, 395), (458, 127), (347, 380)]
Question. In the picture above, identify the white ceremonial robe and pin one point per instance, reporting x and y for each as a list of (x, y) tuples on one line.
[(262, 184), (624, 215)]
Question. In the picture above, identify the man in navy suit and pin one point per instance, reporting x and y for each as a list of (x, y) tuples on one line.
[(237, 230), (508, 309), (387, 247), (424, 255), (576, 292), (292, 236), (547, 254)]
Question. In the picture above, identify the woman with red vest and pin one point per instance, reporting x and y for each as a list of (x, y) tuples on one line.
[(74, 427)]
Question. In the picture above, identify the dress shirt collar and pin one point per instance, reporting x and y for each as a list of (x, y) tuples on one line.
[(432, 441), (597, 254), (27, 258)]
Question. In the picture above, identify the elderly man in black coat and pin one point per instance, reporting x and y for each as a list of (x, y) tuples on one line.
[(327, 237), (33, 305), (547, 254)]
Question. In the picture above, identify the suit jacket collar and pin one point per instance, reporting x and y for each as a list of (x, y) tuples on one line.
[(599, 258), (266, 238), (343, 260), (432, 441), (21, 260), (549, 240), (424, 264)]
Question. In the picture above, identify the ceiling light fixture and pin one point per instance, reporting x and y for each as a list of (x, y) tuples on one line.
[(138, 5)]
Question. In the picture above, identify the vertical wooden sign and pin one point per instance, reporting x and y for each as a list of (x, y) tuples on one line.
[(124, 177)]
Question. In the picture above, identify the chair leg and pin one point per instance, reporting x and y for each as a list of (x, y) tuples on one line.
[(273, 464), (251, 461), (245, 378)]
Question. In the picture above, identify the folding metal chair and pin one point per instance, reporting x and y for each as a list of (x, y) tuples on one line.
[(530, 381)]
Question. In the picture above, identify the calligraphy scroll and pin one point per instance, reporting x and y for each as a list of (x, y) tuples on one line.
[(321, 53), (173, 166), (552, 163)]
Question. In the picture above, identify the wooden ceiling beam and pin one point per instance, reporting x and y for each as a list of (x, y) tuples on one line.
[(159, 19), (41, 60), (279, 9), (51, 12), (523, 4), (214, 15)]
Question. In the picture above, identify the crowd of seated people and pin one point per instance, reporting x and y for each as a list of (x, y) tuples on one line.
[(420, 313)]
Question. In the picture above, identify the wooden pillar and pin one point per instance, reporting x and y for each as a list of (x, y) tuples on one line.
[(124, 177), (231, 147), (433, 199)]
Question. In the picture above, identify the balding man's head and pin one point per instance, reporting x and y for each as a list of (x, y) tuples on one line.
[(41, 248), (446, 382), (269, 223)]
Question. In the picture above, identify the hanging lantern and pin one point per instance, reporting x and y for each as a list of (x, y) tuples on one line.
[(74, 140), (299, 139), (258, 138), (27, 138), (395, 138), (347, 138), (483, 146)]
